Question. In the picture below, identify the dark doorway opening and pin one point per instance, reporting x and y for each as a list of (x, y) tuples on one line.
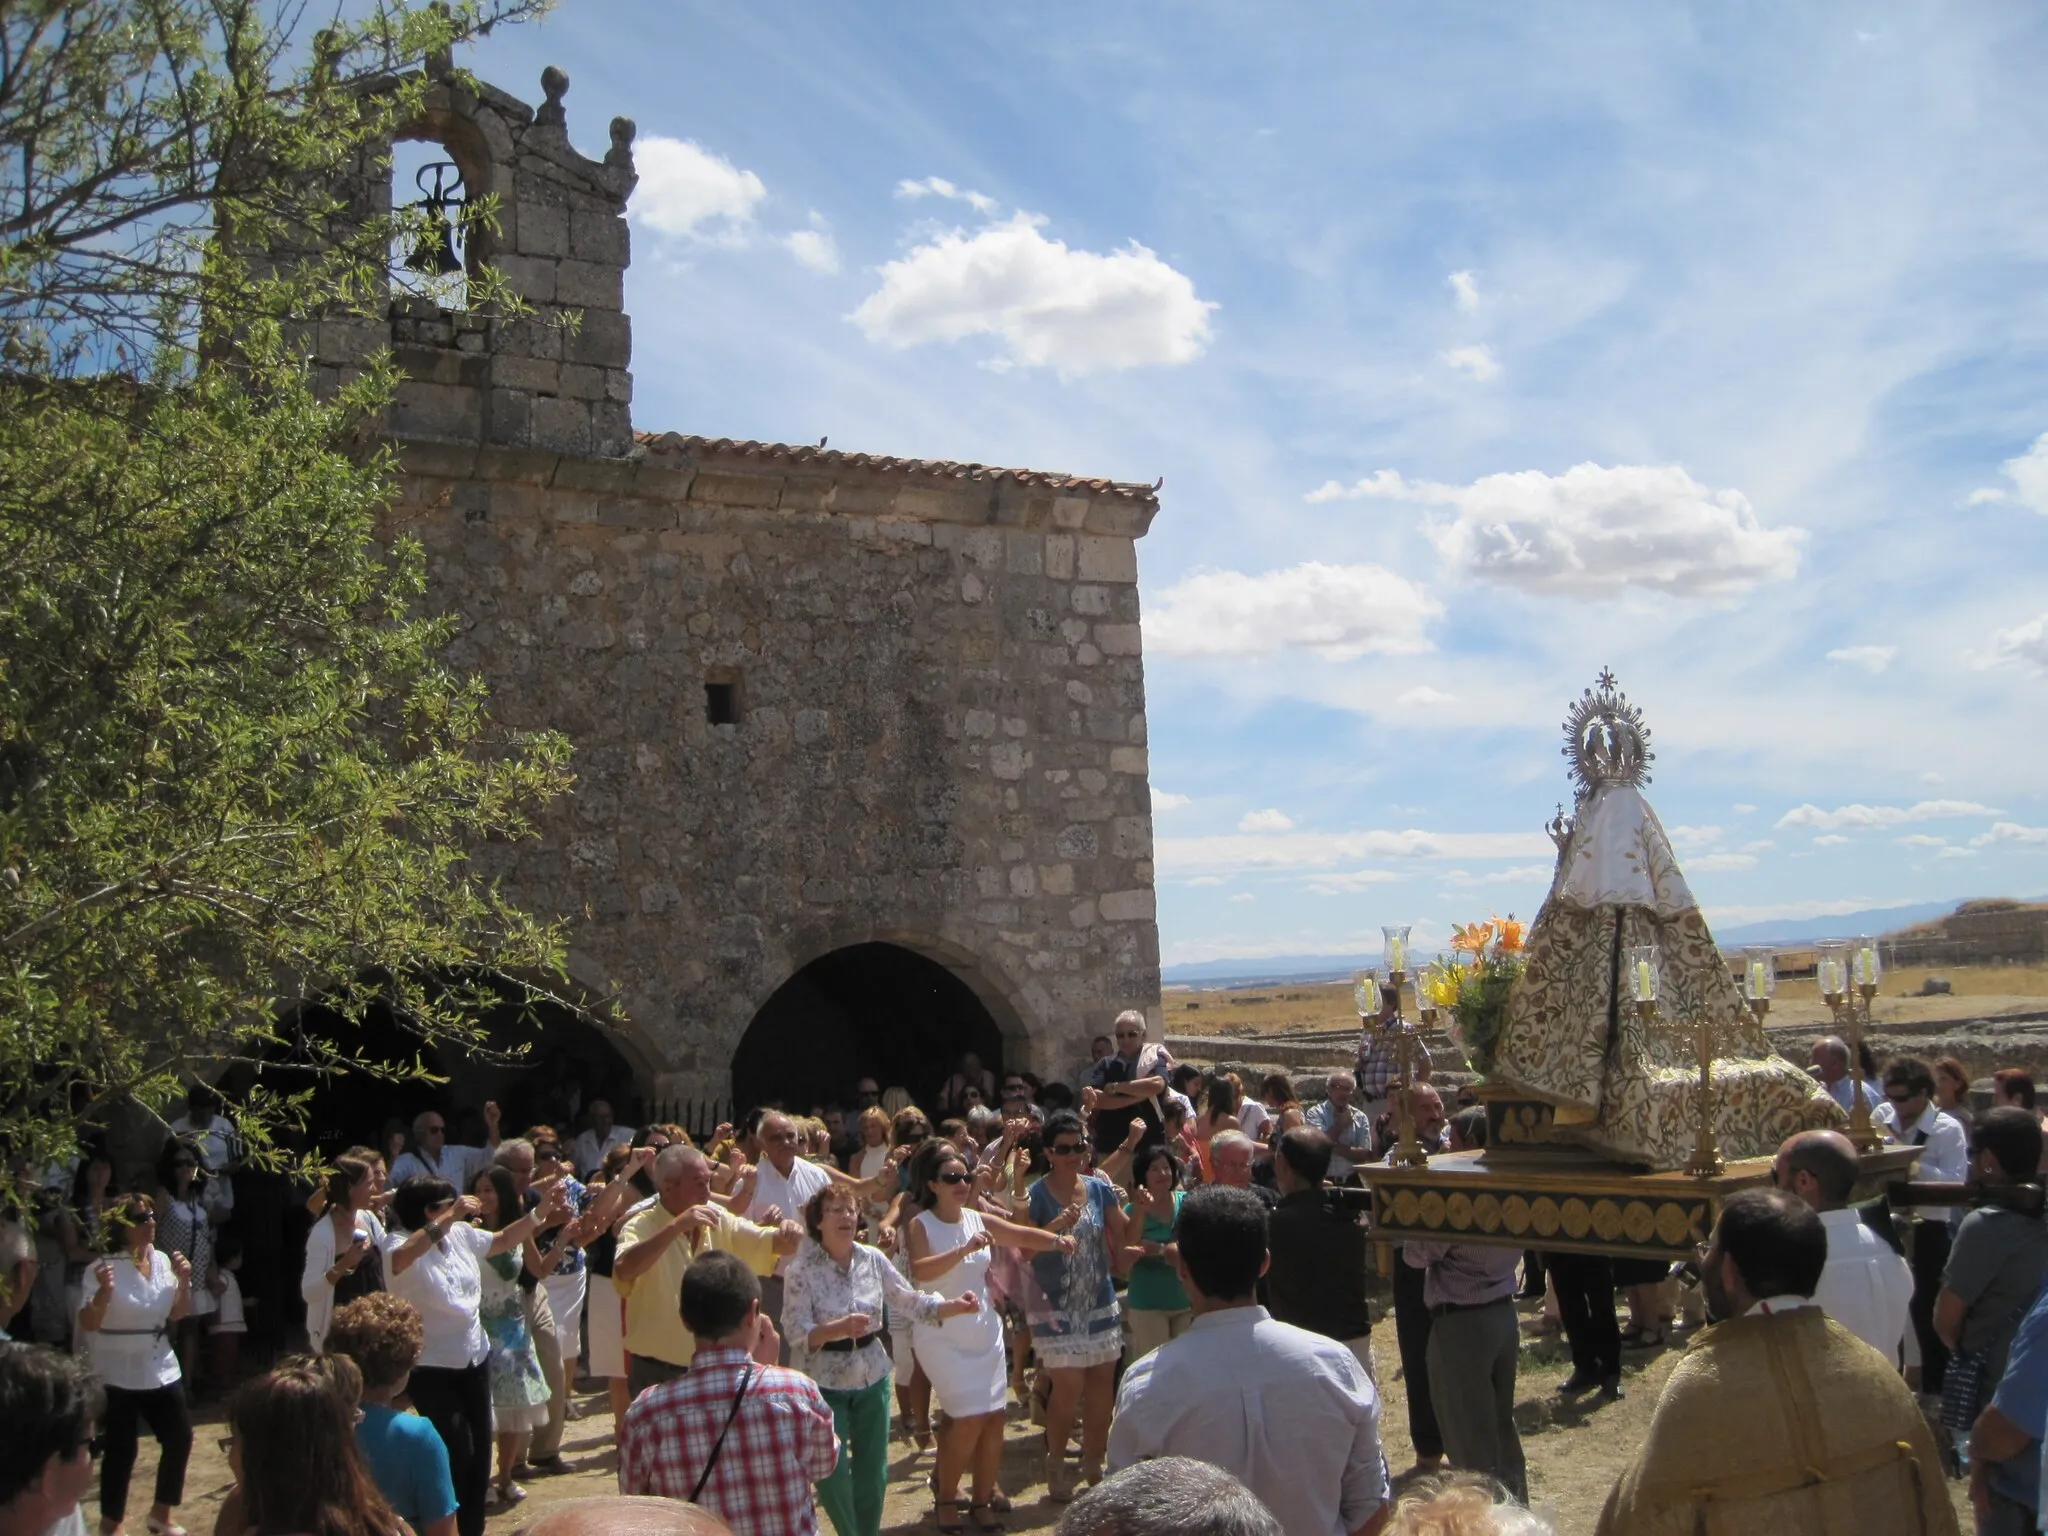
[(868, 1008), (567, 1063)]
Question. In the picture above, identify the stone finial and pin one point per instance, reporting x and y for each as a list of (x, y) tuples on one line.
[(620, 155), (554, 85)]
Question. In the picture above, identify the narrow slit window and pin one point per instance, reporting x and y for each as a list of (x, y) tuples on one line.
[(722, 703)]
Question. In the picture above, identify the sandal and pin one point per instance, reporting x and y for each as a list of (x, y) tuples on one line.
[(998, 1501), (986, 1516), (939, 1508)]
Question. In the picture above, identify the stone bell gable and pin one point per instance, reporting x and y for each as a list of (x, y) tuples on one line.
[(555, 380)]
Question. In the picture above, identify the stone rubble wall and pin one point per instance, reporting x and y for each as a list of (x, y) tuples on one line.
[(942, 740)]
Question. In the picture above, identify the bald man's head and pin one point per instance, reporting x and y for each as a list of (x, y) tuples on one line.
[(620, 1515), (1830, 1166)]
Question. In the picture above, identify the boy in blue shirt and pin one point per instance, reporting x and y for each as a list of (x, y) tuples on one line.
[(407, 1460)]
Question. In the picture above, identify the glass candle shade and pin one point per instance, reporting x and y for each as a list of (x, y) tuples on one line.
[(1831, 968), (1642, 973), (1365, 991), (1864, 965), (1397, 946), (1759, 974)]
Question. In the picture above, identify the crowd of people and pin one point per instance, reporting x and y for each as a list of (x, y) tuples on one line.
[(1167, 1267)]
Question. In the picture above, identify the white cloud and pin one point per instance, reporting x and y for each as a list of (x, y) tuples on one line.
[(1695, 837), (1829, 840), (2029, 476), (1761, 845), (1864, 816), (2024, 643), (1244, 896), (2011, 832), (685, 187), (813, 248), (1594, 531), (1475, 362), (1465, 291), (1228, 853), (1923, 840), (938, 186), (1167, 800), (1352, 881), (1871, 658), (1932, 778), (1743, 810), (1957, 853), (1074, 311), (1266, 821), (1210, 880), (1336, 611), (1521, 874), (1423, 696), (1714, 861)]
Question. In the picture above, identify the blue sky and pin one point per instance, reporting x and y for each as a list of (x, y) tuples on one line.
[(1478, 347)]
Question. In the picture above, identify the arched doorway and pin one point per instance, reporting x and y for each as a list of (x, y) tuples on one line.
[(868, 1008), (567, 1062)]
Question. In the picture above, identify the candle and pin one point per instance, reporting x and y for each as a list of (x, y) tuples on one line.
[(1366, 993), (1756, 978), (1830, 977), (1866, 966), (1397, 956), (1646, 984)]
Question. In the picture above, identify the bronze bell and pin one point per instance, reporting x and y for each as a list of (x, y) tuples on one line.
[(434, 251)]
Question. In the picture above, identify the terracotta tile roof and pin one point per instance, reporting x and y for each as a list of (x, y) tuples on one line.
[(728, 449)]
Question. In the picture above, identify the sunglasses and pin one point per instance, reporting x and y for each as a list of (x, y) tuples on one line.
[(1064, 1148), (547, 1155), (1902, 1098), (954, 1178)]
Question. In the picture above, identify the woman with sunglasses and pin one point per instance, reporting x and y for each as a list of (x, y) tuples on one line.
[(837, 1293), (135, 1297), (1076, 1329), (949, 1243), (184, 1227), (437, 1266)]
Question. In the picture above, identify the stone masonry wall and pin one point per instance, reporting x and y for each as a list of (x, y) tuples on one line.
[(941, 740)]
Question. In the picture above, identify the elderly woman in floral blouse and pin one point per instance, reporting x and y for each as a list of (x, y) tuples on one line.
[(832, 1315)]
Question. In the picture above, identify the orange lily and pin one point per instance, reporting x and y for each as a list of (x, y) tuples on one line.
[(1472, 937), (1510, 933)]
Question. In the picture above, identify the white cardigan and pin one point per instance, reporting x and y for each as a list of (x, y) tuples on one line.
[(320, 1256)]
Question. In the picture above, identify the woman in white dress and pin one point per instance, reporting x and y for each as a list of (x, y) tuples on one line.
[(133, 1300), (344, 1251), (963, 1356)]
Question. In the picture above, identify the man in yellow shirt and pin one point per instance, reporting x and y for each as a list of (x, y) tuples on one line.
[(658, 1244)]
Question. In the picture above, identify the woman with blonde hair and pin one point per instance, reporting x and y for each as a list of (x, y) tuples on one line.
[(1462, 1504)]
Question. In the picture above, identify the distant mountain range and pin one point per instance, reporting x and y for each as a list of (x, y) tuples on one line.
[(1789, 930)]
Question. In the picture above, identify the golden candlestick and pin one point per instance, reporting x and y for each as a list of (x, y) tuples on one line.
[(1706, 1161), (1408, 1152)]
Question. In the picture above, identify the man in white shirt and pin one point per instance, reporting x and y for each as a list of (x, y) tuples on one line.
[(783, 1185), (1347, 1126), (430, 1152), (1830, 1063), (208, 1129), (1866, 1287), (1909, 1117), (1291, 1414), (587, 1151)]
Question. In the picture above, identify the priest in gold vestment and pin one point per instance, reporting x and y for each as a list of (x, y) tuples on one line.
[(1779, 1421)]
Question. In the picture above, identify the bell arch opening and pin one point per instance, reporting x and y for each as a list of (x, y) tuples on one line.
[(871, 1008)]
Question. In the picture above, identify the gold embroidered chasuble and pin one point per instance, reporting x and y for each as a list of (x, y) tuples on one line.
[(1785, 1425)]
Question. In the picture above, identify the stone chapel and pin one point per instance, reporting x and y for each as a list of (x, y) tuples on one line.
[(859, 741)]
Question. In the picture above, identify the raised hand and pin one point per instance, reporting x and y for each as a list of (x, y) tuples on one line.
[(641, 1160), (103, 1273), (468, 1208), (492, 1116), (721, 1131), (1134, 1135), (182, 1268)]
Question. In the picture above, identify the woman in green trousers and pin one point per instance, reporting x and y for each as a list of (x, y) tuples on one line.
[(832, 1305)]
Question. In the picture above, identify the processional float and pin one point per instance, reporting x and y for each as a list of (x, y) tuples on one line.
[(1630, 1089)]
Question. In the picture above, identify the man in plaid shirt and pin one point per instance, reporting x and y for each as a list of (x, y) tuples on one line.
[(1379, 1058), (777, 1430)]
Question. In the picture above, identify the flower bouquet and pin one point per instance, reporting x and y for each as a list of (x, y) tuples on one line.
[(1473, 982)]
